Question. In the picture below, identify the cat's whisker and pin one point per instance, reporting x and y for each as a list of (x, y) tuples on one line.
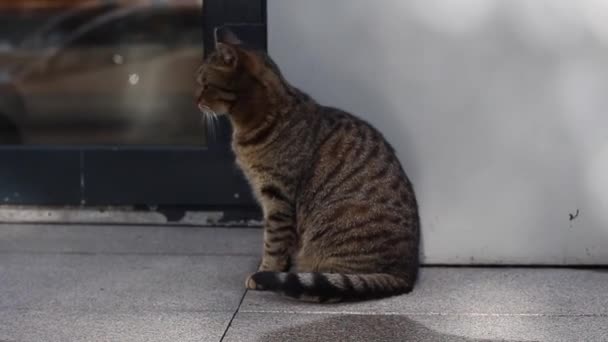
[(209, 117), (216, 122), (204, 121), (212, 131), (210, 126)]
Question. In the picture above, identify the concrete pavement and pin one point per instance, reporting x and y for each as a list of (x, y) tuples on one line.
[(158, 283)]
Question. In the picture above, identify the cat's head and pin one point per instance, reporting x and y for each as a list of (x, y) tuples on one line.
[(234, 76)]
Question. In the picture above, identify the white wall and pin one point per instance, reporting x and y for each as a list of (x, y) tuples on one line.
[(498, 108)]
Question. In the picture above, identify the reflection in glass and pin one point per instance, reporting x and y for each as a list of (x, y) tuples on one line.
[(100, 72)]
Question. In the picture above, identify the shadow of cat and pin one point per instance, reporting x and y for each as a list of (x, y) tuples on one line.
[(364, 328)]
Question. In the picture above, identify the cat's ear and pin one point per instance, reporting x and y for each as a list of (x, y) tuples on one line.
[(228, 54), (226, 36), (226, 43)]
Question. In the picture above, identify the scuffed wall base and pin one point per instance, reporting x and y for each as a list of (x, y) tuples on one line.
[(126, 215)]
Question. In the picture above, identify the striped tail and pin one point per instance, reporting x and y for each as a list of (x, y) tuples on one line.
[(330, 287)]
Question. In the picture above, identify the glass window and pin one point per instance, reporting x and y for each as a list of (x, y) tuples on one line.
[(100, 72)]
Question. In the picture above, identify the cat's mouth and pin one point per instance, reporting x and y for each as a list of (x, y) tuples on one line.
[(204, 109), (199, 102)]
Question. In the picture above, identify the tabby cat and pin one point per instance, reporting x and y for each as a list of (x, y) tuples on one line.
[(336, 201)]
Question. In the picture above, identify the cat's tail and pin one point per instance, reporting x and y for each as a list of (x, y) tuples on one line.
[(330, 287)]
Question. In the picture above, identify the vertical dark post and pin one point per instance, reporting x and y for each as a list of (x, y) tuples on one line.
[(213, 16)]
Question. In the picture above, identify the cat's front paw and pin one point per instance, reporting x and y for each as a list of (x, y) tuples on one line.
[(251, 284)]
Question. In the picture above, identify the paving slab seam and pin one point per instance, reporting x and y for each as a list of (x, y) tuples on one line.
[(388, 313), (233, 316)]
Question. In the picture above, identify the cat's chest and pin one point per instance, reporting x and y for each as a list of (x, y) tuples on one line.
[(268, 168), (256, 172)]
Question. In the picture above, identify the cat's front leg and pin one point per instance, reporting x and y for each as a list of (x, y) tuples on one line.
[(279, 241)]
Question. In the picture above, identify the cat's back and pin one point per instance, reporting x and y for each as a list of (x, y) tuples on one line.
[(351, 156), (353, 161)]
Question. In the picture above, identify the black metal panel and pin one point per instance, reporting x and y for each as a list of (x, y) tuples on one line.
[(244, 11), (163, 177), (212, 17), (239, 12), (159, 175), (39, 176)]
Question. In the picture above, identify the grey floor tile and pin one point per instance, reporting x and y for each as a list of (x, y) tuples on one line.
[(104, 283), (473, 290), (77, 326), (280, 327), (129, 239)]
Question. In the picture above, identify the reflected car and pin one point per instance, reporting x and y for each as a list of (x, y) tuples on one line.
[(121, 75), (14, 58)]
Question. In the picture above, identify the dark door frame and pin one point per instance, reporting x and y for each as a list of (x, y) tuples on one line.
[(192, 177)]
